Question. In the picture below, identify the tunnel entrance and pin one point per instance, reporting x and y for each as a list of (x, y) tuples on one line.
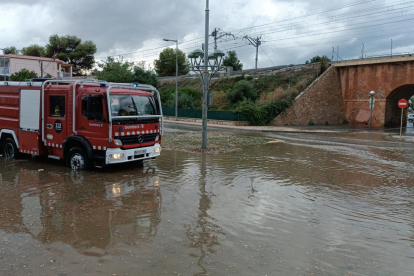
[(392, 111)]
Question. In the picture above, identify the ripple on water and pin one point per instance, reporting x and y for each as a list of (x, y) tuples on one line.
[(297, 207)]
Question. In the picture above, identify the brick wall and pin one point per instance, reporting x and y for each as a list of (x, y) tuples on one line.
[(321, 102)]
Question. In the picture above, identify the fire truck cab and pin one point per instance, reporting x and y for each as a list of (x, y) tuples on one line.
[(85, 123)]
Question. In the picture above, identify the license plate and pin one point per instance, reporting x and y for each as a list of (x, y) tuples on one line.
[(140, 152)]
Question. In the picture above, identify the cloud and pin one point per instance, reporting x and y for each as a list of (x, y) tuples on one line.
[(131, 28)]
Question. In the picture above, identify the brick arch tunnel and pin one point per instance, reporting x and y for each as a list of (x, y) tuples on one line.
[(392, 111)]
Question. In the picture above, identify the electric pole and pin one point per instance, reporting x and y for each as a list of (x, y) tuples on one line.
[(215, 34), (41, 69), (256, 42)]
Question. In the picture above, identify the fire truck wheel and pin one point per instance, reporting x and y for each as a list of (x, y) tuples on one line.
[(78, 159), (10, 149)]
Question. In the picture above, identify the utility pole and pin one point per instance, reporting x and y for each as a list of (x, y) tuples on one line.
[(206, 79), (256, 42), (215, 34), (363, 46), (41, 69), (176, 75), (337, 53)]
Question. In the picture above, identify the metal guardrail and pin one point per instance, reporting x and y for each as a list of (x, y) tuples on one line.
[(404, 54)]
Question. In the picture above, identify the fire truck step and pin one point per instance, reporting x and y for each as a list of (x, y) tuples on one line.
[(53, 157)]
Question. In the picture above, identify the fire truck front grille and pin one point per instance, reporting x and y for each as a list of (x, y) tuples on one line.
[(137, 139)]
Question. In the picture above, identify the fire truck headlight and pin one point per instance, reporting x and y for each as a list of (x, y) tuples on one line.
[(118, 142), (157, 150), (116, 156)]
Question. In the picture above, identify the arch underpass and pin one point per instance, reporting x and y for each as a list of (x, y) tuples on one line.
[(391, 78), (392, 111), (341, 94)]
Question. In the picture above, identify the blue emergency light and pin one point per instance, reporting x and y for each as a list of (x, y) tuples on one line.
[(135, 85), (102, 85)]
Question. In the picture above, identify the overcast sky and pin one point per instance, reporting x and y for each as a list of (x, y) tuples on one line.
[(292, 31)]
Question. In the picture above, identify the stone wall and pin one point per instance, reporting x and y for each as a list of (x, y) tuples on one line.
[(319, 103)]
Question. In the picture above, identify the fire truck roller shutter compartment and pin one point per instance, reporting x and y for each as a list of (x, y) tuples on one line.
[(29, 122), (29, 110)]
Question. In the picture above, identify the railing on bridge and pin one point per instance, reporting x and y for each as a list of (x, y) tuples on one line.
[(396, 55)]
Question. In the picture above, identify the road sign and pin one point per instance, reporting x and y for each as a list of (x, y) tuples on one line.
[(402, 103)]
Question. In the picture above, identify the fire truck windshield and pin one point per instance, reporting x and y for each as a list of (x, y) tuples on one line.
[(132, 105)]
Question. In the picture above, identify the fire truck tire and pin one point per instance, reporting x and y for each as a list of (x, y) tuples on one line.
[(78, 159), (10, 149)]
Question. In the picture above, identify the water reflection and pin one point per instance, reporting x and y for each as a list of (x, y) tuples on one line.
[(305, 205), (85, 210), (204, 234)]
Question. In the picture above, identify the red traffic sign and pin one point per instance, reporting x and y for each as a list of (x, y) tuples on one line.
[(402, 103)]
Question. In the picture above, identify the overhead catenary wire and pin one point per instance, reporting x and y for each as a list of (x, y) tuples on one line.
[(266, 41), (199, 39), (310, 35), (357, 24)]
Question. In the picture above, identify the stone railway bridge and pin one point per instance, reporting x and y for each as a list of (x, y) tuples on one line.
[(342, 93)]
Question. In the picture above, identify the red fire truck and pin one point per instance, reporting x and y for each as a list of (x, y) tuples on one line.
[(85, 123)]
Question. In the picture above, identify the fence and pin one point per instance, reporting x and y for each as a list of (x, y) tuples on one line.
[(211, 115)]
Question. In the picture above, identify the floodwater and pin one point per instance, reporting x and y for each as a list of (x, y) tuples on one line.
[(301, 205)]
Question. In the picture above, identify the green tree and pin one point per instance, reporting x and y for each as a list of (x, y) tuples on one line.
[(11, 50), (165, 65), (124, 71), (71, 49), (23, 75), (141, 75), (232, 60), (318, 59), (34, 50)]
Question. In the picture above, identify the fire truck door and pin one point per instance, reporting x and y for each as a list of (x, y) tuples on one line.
[(56, 120)]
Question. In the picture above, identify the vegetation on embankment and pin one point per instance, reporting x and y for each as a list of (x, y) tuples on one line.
[(260, 97)]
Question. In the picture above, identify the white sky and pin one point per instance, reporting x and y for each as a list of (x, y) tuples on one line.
[(292, 31)]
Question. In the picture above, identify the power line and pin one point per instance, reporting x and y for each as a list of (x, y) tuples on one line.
[(196, 39), (267, 56), (302, 36)]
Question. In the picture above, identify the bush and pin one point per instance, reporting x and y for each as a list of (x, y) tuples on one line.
[(242, 91), (188, 98), (345, 122), (311, 123), (168, 97), (23, 75), (261, 114), (185, 101)]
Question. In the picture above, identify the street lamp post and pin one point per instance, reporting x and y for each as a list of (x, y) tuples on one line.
[(206, 65), (176, 75), (371, 107)]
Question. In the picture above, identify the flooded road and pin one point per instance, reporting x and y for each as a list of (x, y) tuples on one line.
[(337, 204)]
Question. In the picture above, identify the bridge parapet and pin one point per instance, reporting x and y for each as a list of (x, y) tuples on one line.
[(376, 60)]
